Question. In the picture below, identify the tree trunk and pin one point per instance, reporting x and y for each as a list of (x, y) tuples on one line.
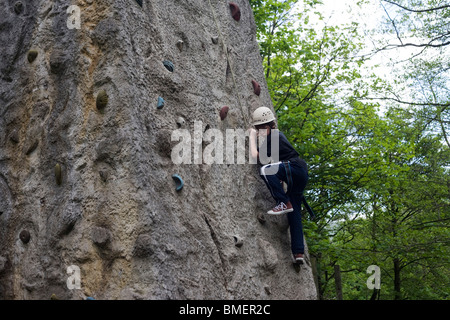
[(315, 274), (397, 279), (337, 281)]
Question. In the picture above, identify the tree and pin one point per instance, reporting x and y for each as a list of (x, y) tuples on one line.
[(404, 229)]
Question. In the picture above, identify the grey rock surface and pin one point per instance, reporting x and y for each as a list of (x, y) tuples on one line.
[(116, 214)]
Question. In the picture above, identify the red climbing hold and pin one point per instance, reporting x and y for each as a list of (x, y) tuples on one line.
[(235, 11), (223, 112), (256, 87)]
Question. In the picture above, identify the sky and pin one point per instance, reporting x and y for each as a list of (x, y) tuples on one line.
[(369, 16)]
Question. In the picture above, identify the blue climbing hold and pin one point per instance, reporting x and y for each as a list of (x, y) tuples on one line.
[(168, 65), (179, 181), (160, 103)]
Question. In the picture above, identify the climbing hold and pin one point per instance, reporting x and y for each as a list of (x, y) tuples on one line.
[(238, 241), (180, 122), (168, 65), (235, 11), (100, 236), (160, 103), (2, 263), (14, 137), (267, 289), (102, 100), (180, 44), (215, 40), (103, 175), (58, 174), (179, 181), (32, 146), (18, 7), (139, 2), (224, 112), (58, 61), (89, 298), (256, 87), (54, 297), (143, 246), (261, 219), (32, 54), (24, 236)]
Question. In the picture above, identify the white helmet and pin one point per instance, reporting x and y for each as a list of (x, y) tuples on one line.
[(262, 115)]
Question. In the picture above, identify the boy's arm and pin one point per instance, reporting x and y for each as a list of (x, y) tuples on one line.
[(253, 144)]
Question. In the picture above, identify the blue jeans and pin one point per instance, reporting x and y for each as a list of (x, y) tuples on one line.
[(273, 176)]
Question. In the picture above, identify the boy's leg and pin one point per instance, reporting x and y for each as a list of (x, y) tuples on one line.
[(273, 181), (300, 179), (296, 226)]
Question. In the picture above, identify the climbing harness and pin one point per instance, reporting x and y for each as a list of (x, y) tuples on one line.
[(290, 182), (229, 62)]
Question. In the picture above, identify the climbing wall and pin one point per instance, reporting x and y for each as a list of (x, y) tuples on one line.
[(86, 175)]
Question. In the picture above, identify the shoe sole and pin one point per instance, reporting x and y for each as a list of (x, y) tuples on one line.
[(299, 261), (281, 212)]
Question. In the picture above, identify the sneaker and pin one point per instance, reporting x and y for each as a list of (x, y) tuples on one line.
[(281, 208), (298, 258)]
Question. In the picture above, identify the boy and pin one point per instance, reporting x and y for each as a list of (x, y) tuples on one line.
[(289, 168)]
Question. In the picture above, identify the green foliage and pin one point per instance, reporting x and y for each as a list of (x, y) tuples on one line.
[(379, 181)]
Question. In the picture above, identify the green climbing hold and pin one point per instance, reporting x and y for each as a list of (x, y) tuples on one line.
[(168, 65), (32, 54), (58, 174), (160, 104), (102, 100), (179, 181)]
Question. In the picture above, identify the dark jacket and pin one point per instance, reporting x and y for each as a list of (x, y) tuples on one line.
[(286, 150)]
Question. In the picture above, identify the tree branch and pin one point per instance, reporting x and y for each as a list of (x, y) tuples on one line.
[(411, 103), (393, 24), (418, 11)]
